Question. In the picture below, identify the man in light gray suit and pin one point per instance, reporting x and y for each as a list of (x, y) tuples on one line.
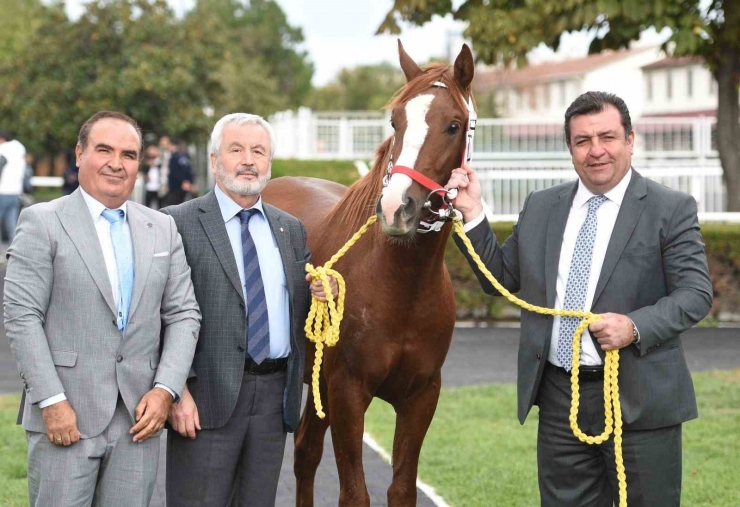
[(622, 246), (244, 392), (91, 280)]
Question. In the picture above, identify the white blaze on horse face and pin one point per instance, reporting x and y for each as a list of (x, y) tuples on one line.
[(413, 140)]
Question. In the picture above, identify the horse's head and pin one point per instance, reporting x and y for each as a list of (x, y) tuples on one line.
[(430, 120)]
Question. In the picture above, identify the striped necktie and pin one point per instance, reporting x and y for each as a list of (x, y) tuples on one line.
[(124, 252), (258, 326), (576, 287)]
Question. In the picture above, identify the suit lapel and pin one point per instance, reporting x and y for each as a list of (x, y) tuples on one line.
[(282, 236), (629, 213), (555, 229), (215, 228), (79, 226), (142, 237)]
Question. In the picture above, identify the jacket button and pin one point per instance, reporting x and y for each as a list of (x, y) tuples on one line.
[(539, 356), (241, 305), (240, 348), (119, 358), (114, 322)]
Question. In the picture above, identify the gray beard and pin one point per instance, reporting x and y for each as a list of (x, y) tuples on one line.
[(243, 188)]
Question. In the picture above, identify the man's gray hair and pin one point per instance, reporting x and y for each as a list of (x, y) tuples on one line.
[(239, 119)]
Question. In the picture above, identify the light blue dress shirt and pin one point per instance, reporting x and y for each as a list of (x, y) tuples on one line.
[(271, 268)]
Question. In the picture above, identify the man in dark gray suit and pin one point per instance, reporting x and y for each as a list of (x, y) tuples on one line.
[(627, 248), (92, 278), (244, 391)]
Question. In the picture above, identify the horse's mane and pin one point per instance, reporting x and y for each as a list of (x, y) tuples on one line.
[(357, 203)]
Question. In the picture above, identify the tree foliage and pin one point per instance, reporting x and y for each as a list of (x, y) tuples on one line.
[(504, 31), (138, 57), (363, 88)]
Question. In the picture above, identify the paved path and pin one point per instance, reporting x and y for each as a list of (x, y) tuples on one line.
[(477, 356)]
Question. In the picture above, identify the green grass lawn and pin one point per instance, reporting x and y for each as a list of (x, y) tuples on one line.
[(477, 454), (12, 455)]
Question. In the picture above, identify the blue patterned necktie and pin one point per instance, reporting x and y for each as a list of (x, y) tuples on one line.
[(577, 286), (258, 326), (124, 252)]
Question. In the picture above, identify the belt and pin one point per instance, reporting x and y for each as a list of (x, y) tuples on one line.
[(585, 373), (266, 366)]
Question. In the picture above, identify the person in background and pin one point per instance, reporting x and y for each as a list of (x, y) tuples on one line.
[(151, 170), (12, 171), (71, 174), (180, 178)]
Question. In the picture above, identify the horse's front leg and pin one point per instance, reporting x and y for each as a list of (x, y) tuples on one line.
[(348, 401), (413, 417)]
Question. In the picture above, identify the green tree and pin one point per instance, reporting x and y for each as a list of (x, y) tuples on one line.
[(506, 30), (19, 21), (253, 54), (363, 88)]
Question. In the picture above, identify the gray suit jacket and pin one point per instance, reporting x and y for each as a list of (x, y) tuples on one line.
[(655, 272), (60, 315), (218, 366)]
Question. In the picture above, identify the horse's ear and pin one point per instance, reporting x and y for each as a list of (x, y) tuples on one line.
[(409, 66), (464, 68)]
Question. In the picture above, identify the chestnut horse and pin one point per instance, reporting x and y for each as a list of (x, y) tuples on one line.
[(399, 308)]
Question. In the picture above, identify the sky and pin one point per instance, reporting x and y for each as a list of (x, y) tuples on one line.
[(341, 34)]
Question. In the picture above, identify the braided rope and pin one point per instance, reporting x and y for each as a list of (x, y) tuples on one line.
[(325, 317)]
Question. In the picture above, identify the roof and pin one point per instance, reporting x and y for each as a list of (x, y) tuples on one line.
[(671, 62), (552, 71)]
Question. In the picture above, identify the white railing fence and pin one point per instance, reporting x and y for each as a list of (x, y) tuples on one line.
[(506, 184), (306, 134)]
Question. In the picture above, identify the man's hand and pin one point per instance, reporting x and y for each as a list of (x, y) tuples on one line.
[(468, 199), (184, 415), (317, 288), (151, 413), (61, 423), (613, 331)]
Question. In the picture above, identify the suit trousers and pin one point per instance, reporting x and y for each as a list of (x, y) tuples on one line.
[(577, 474), (239, 463), (108, 470)]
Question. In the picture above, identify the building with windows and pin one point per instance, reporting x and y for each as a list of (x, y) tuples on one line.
[(679, 87)]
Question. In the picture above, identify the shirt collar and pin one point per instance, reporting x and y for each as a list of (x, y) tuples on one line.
[(96, 207), (229, 208), (616, 194)]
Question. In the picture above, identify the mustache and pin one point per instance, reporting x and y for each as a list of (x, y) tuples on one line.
[(247, 170)]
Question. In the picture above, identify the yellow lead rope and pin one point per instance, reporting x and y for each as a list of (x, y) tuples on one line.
[(325, 317)]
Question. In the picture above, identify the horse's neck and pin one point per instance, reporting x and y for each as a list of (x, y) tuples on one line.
[(424, 257)]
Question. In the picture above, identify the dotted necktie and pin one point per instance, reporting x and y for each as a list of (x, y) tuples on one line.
[(258, 326), (577, 286), (124, 252)]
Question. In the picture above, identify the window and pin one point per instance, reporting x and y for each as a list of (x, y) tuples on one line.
[(649, 85), (668, 85), (689, 83)]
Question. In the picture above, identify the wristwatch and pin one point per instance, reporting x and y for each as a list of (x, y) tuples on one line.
[(635, 334)]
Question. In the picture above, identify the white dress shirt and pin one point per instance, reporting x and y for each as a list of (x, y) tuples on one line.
[(271, 269), (102, 227), (606, 217)]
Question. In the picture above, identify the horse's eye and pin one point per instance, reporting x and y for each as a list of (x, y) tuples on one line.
[(393, 125), (453, 129)]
